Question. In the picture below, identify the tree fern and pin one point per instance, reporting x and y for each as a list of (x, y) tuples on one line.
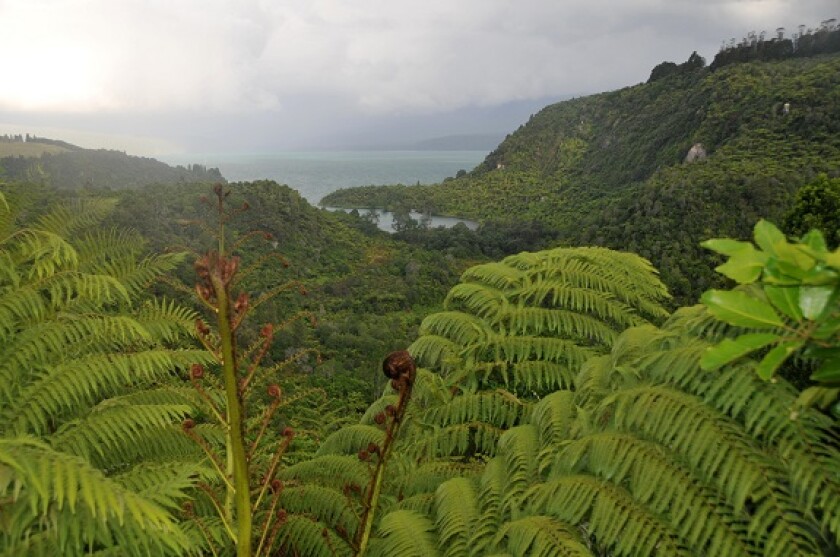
[(557, 419), (83, 402), (558, 307)]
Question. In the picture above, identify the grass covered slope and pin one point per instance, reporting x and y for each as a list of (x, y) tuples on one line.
[(609, 169), (66, 166)]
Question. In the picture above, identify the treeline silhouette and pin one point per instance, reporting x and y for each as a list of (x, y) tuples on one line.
[(756, 46)]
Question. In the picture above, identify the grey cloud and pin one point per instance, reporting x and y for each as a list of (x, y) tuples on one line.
[(311, 66)]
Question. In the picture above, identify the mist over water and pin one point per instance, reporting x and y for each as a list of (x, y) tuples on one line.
[(316, 173)]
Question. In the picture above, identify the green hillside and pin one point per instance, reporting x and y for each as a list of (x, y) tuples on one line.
[(12, 147), (66, 166), (610, 169), (367, 292)]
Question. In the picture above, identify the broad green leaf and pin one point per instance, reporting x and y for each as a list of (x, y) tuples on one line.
[(744, 266), (813, 299), (833, 259), (768, 237), (820, 275), (776, 357), (785, 299), (737, 308), (779, 271), (730, 350), (795, 257), (815, 240), (829, 370), (726, 246)]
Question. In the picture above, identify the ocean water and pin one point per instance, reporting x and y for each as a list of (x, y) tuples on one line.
[(316, 173)]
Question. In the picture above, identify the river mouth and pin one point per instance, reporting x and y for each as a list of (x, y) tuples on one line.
[(384, 220)]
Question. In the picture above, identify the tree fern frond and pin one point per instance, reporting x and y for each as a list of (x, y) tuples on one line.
[(662, 484), (351, 439), (325, 505), (435, 352), (541, 536), (21, 305), (480, 299), (300, 535), (65, 220), (456, 511), (407, 534), (518, 349), (557, 294), (64, 288), (491, 493), (379, 405), (328, 470), (166, 320), (518, 449), (40, 253), (99, 245), (534, 376), (168, 444), (475, 438), (460, 328), (554, 419), (59, 388), (497, 408), (49, 341), (805, 446), (429, 389), (691, 428), (610, 515), (421, 503), (45, 478), (136, 274), (535, 321), (104, 429), (500, 275), (166, 483), (426, 477)]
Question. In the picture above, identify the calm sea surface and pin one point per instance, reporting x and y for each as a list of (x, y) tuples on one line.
[(315, 174)]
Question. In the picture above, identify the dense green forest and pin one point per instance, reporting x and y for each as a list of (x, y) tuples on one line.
[(195, 367), (614, 169)]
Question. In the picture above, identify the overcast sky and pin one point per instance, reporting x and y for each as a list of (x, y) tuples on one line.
[(157, 76)]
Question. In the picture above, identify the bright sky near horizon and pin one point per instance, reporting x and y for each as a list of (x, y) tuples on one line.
[(283, 74)]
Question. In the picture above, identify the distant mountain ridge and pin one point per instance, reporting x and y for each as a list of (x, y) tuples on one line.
[(462, 142), (452, 142)]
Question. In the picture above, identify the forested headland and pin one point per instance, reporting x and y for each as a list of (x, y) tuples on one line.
[(656, 168), (637, 353)]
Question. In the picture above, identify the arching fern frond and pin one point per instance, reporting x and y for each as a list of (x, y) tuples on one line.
[(60, 388), (90, 456), (407, 534), (104, 430), (456, 512), (611, 515), (351, 439), (43, 478), (541, 536)]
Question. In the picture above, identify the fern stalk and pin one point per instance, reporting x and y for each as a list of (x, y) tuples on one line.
[(400, 367), (218, 273), (236, 433)]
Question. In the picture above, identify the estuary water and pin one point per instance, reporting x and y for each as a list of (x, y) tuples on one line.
[(316, 173)]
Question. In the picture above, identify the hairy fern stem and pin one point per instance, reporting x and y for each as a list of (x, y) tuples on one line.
[(400, 367), (236, 450)]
